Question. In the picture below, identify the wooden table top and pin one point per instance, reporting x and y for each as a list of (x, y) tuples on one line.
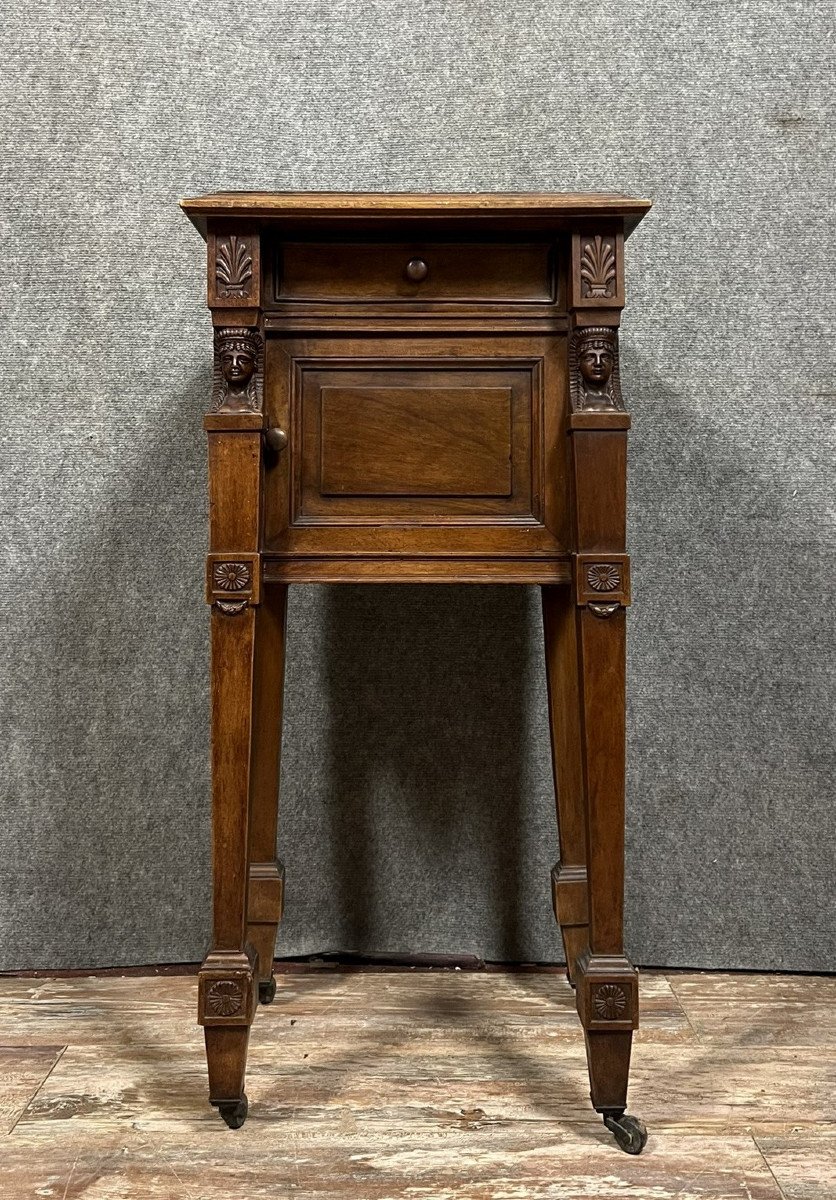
[(424, 204)]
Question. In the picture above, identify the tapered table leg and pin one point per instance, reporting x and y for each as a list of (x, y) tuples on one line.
[(266, 873), (569, 896), (227, 982), (607, 984)]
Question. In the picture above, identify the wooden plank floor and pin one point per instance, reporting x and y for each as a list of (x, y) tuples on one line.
[(417, 1085)]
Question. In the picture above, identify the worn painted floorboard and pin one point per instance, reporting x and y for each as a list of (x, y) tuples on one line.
[(23, 1070), (803, 1161), (416, 1085)]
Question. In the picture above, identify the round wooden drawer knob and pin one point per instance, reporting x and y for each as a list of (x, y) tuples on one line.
[(276, 439), (416, 270)]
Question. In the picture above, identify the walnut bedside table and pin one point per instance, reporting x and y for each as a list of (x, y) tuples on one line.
[(418, 389)]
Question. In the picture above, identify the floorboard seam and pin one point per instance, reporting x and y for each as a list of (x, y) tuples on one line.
[(768, 1166), (36, 1092), (684, 1011)]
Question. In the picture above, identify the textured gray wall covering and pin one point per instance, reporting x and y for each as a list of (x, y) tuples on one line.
[(417, 808)]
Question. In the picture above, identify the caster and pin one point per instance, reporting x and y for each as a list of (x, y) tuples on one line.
[(234, 1114), (267, 991), (629, 1132)]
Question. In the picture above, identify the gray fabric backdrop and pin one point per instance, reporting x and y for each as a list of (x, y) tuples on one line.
[(417, 807)]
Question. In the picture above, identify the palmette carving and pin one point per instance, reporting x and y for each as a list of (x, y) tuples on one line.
[(233, 266), (238, 371), (598, 275), (594, 375)]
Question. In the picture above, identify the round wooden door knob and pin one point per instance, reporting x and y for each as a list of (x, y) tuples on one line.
[(416, 270), (276, 439)]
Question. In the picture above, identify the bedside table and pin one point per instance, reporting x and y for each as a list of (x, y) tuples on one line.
[(418, 389)]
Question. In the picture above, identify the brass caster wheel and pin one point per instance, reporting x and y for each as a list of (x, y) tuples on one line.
[(267, 991), (234, 1114), (629, 1132)]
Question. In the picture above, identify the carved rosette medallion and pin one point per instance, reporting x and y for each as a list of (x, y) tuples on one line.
[(231, 576), (224, 998), (594, 374), (233, 267), (237, 382), (598, 276), (609, 1001), (603, 577)]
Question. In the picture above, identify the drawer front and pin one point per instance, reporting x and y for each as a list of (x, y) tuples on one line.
[(435, 445), (470, 272)]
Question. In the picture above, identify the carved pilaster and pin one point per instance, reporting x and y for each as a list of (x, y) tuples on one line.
[(596, 297)]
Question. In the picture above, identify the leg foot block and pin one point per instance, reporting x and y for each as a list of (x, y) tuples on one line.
[(569, 900), (267, 990)]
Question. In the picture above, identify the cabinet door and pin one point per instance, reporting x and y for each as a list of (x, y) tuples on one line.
[(428, 445)]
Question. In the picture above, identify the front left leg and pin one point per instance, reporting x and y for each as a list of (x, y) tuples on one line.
[(227, 980)]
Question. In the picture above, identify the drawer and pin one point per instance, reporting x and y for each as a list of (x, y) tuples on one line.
[(445, 272)]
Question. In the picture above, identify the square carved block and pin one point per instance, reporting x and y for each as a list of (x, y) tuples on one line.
[(611, 1004), (226, 989), (607, 994), (602, 578), (233, 579)]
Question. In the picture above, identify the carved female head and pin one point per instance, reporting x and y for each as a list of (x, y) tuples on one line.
[(238, 351), (596, 355)]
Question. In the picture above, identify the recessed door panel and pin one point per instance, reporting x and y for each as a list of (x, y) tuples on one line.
[(419, 440), (409, 444), (428, 441)]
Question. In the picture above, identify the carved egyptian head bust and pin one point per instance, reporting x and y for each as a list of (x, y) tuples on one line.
[(237, 370), (594, 370)]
